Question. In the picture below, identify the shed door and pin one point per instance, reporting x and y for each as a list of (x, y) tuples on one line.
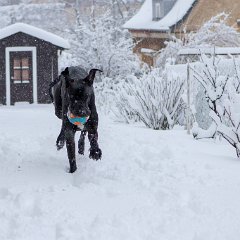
[(21, 77)]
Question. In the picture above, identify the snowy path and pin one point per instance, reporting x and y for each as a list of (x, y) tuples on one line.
[(149, 185)]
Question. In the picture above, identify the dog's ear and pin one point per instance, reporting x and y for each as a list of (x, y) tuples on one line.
[(90, 78), (65, 72)]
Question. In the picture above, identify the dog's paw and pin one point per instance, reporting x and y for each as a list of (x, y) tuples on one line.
[(81, 151), (73, 167), (95, 153), (60, 142), (81, 148)]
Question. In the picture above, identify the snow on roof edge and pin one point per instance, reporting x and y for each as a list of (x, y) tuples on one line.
[(35, 32), (143, 19)]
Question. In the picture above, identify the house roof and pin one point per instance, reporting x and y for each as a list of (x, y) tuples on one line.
[(35, 32), (143, 20)]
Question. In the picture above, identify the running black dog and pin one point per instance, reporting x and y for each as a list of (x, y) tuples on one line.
[(74, 102)]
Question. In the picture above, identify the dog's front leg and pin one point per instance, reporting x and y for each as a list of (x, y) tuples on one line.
[(92, 126), (95, 151), (61, 108), (61, 137), (81, 142), (70, 142)]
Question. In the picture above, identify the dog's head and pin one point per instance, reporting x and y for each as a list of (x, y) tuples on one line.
[(79, 87)]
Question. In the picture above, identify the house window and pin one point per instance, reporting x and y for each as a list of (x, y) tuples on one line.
[(21, 70), (161, 8), (157, 10)]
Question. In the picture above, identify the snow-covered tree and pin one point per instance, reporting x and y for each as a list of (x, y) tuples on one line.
[(96, 41), (101, 42), (214, 33)]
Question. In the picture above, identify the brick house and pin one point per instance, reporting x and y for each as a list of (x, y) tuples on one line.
[(158, 19)]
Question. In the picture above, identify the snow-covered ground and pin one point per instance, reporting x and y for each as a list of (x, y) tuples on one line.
[(150, 185)]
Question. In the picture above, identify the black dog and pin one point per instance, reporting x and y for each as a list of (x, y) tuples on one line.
[(74, 95)]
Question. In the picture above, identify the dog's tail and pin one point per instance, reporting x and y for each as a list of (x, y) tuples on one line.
[(51, 85)]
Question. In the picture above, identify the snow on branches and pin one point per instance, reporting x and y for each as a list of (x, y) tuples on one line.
[(101, 42), (153, 99), (223, 97), (214, 33)]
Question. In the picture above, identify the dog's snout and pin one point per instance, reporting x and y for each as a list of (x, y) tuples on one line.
[(81, 112)]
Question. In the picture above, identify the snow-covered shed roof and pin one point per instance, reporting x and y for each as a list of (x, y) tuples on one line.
[(143, 20), (35, 32)]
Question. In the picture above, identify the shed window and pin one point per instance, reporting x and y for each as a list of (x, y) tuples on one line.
[(21, 70)]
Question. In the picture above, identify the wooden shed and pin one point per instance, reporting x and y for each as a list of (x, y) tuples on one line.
[(28, 63)]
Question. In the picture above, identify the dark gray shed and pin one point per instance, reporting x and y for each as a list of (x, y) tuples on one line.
[(28, 63)]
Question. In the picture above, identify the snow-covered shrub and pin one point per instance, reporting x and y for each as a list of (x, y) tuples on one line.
[(236, 77), (123, 110), (214, 33), (152, 98), (201, 108), (169, 54), (110, 97), (105, 92), (223, 97)]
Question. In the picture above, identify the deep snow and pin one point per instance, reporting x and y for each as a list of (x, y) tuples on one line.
[(149, 185)]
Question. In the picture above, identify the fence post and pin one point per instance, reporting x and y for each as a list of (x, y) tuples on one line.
[(188, 99)]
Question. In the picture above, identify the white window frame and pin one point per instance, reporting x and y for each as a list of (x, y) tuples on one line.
[(34, 71)]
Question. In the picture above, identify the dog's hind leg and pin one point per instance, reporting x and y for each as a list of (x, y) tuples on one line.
[(69, 135), (81, 142)]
